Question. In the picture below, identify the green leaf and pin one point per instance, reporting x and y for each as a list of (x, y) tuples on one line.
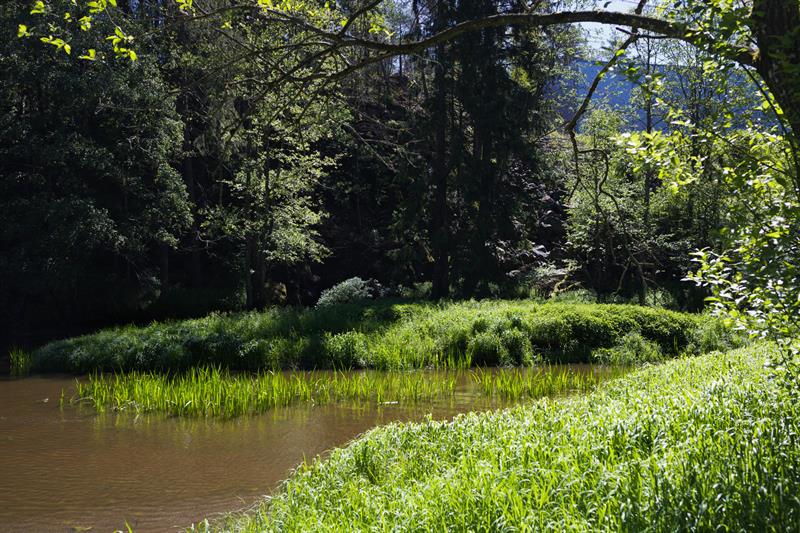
[(91, 55)]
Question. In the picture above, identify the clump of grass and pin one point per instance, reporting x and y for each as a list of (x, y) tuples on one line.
[(631, 349), (697, 444), (520, 350), (383, 335), (21, 362), (347, 350)]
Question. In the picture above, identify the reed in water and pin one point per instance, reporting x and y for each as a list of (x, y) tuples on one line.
[(220, 393)]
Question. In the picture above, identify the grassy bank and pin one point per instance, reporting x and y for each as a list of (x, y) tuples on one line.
[(701, 444), (382, 335), (211, 392)]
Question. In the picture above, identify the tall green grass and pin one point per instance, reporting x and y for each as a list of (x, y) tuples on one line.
[(516, 384), (21, 362), (216, 392), (697, 444), (383, 335)]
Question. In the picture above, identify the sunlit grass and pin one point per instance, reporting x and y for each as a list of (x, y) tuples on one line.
[(383, 335), (219, 393), (216, 392), (698, 444), (514, 384)]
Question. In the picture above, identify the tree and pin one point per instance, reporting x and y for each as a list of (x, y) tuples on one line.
[(269, 207), (88, 194), (327, 43)]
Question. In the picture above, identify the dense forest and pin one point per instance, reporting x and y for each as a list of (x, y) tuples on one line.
[(199, 177)]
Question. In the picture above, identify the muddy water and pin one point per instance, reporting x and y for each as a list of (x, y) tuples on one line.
[(66, 469)]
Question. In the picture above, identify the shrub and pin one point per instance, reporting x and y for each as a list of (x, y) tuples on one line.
[(487, 349), (399, 336), (348, 291), (713, 335), (481, 325), (631, 349), (346, 350), (519, 347)]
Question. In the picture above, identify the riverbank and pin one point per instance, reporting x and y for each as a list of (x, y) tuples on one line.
[(694, 444), (388, 335)]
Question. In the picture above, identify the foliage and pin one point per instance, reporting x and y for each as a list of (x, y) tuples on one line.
[(384, 335), (346, 350), (519, 347), (714, 434), (272, 210), (351, 290), (753, 280), (715, 334), (88, 194), (487, 349), (634, 220), (630, 349)]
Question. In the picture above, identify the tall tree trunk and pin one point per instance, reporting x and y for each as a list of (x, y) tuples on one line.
[(195, 269), (439, 230), (164, 270), (254, 273), (776, 27)]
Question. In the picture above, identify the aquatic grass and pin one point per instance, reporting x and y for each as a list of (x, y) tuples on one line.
[(383, 335), (220, 393), (21, 362), (217, 392), (695, 444)]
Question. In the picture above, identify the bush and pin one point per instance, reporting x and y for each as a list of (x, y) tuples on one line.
[(631, 349), (518, 347), (347, 350), (399, 335), (713, 335), (487, 349), (348, 291)]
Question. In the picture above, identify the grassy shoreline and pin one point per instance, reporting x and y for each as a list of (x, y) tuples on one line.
[(383, 335), (694, 444)]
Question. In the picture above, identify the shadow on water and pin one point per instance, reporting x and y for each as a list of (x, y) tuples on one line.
[(68, 469)]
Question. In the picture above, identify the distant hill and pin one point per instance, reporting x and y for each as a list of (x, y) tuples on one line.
[(615, 91)]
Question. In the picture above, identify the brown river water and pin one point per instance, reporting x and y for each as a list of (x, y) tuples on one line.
[(69, 469)]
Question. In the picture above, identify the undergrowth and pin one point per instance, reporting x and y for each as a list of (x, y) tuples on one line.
[(384, 335)]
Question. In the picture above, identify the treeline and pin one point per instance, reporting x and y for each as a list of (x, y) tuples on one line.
[(218, 171)]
